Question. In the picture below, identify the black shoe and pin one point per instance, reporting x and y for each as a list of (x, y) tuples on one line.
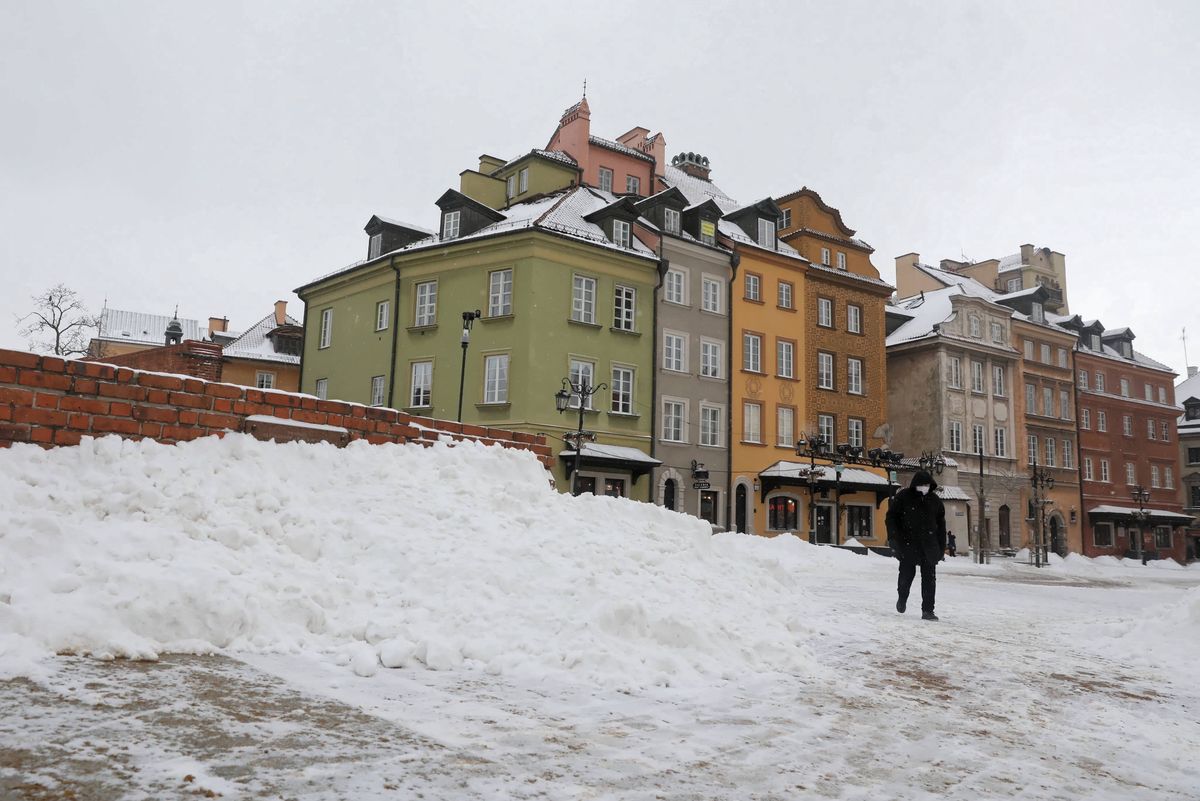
[(928, 616), (901, 605)]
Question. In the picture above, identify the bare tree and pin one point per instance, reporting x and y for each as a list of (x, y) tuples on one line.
[(59, 322)]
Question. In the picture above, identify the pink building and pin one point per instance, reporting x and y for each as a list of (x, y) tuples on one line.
[(628, 165)]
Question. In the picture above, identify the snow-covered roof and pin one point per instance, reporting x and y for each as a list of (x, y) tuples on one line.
[(138, 327), (255, 344), (1013, 262), (850, 475), (616, 452), (1187, 388), (951, 493), (697, 190), (1110, 509), (620, 148), (403, 224)]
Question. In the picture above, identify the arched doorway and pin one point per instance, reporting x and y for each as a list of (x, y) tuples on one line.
[(668, 495), (740, 508), (1058, 535)]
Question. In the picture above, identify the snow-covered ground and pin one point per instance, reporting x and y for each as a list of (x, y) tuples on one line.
[(542, 646)]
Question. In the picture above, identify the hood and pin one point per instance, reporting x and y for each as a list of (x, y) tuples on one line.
[(923, 477)]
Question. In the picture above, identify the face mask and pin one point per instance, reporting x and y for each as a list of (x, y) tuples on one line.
[(923, 489)]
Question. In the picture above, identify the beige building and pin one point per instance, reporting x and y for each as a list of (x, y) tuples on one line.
[(1030, 267)]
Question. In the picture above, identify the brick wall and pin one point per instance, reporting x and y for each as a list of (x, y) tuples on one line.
[(190, 357), (53, 401)]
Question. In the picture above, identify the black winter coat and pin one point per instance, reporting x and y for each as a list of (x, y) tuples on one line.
[(916, 523)]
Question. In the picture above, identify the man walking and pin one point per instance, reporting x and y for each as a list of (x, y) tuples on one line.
[(916, 527)]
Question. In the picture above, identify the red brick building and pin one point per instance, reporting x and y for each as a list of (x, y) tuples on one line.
[(1126, 412)]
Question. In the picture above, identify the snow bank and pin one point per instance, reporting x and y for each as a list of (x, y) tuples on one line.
[(1166, 636), (397, 556)]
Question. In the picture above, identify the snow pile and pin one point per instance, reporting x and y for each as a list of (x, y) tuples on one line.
[(1165, 636), (396, 555)]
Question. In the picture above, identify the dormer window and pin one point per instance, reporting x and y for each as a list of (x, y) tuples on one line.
[(620, 235), (375, 246), (606, 176), (524, 180), (450, 224), (1127, 349), (1095, 343), (1037, 313), (671, 220), (510, 186), (766, 233), (708, 232), (633, 185), (785, 222)]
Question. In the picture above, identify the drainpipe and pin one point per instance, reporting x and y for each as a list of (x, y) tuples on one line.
[(303, 343), (661, 273), (734, 260), (395, 321)]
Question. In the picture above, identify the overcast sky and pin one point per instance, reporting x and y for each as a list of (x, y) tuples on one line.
[(217, 155)]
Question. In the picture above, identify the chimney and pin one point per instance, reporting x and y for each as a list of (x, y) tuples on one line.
[(280, 312), (218, 324), (907, 260), (1192, 370), (573, 133), (693, 164)]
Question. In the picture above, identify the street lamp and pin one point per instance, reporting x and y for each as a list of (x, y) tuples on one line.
[(580, 391), (1141, 497), (931, 462), (815, 446), (1041, 481), (468, 318)]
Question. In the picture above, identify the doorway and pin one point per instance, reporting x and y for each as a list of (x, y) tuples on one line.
[(822, 530), (740, 510)]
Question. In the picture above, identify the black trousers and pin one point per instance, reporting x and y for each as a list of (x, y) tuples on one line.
[(908, 571)]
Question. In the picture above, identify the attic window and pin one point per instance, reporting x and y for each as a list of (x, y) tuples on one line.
[(670, 220), (633, 185), (1095, 338), (524, 180), (450, 224), (785, 221), (708, 232), (606, 176), (375, 245), (766, 233), (1127, 349), (620, 235), (1038, 315), (510, 185)]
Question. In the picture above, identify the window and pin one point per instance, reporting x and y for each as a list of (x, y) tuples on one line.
[(998, 380), (1193, 455), (955, 436), (495, 379), (782, 513), (1102, 535), (624, 307), (1124, 387), (710, 425), (510, 186), (426, 303), (1088, 473), (500, 284), (955, 379), (1051, 455), (1151, 430), (674, 351), (326, 328), (1155, 481), (606, 176), (975, 327), (1169, 477), (785, 358), (1014, 285), (1104, 470), (825, 427), (1149, 392), (825, 370), (633, 185), (785, 428), (825, 256), (1032, 443), (1194, 495), (825, 312), (708, 232), (1085, 419), (997, 332), (1127, 425), (977, 377), (421, 392), (1130, 473), (1038, 314), (853, 318), (1064, 404), (711, 300), (854, 376), (1083, 379), (1046, 354), (1162, 536), (977, 439), (675, 287), (751, 422), (622, 390), (583, 374), (1048, 401), (1162, 395), (858, 522), (712, 359), (785, 295), (1165, 430), (1030, 399), (377, 390), (766, 233), (785, 221), (450, 224), (673, 420), (374, 246), (1001, 435), (264, 379), (524, 180), (1099, 381), (322, 390), (1095, 342), (841, 260), (855, 427), (383, 313), (1062, 357), (1028, 350), (620, 233), (583, 299), (671, 220), (752, 353), (1102, 420), (753, 286)]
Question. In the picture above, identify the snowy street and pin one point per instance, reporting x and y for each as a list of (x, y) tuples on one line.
[(997, 700)]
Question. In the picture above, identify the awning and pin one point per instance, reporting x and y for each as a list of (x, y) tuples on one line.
[(1110, 513), (853, 479), (610, 457)]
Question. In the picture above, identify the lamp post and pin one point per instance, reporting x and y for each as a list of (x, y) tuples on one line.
[(582, 391), (1141, 497), (468, 318), (931, 462), (1041, 481), (815, 446), (812, 446)]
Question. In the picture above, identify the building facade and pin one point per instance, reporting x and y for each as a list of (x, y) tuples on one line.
[(1187, 398)]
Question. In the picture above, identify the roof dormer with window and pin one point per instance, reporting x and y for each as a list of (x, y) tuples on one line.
[(463, 216), (700, 221), (385, 236), (616, 219), (665, 210), (758, 221)]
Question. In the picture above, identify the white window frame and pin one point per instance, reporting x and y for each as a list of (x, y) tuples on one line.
[(1083, 379), (712, 358), (752, 352), (853, 318), (420, 384), (377, 389), (976, 327), (672, 220), (326, 338), (1031, 448), (752, 286), (524, 181), (711, 424), (956, 437), (1064, 404), (825, 377), (712, 295), (766, 233), (1127, 425), (583, 299), (785, 426), (978, 439), (633, 185), (624, 307), (955, 378), (374, 246), (752, 414), (997, 332), (1101, 420), (825, 312), (825, 256), (675, 287), (425, 304), (674, 426), (841, 260), (1051, 452), (1014, 285), (510, 186), (321, 390), (383, 315), (500, 289), (1045, 354), (1062, 358), (1028, 344), (495, 381), (1000, 449), (606, 179), (1105, 475), (622, 233), (1130, 473), (785, 358), (622, 384), (854, 376), (827, 427), (1089, 472), (998, 380), (1151, 429), (785, 295), (977, 382), (1099, 381), (1124, 387), (264, 379), (674, 352), (1085, 419), (583, 374), (451, 224), (856, 432)]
